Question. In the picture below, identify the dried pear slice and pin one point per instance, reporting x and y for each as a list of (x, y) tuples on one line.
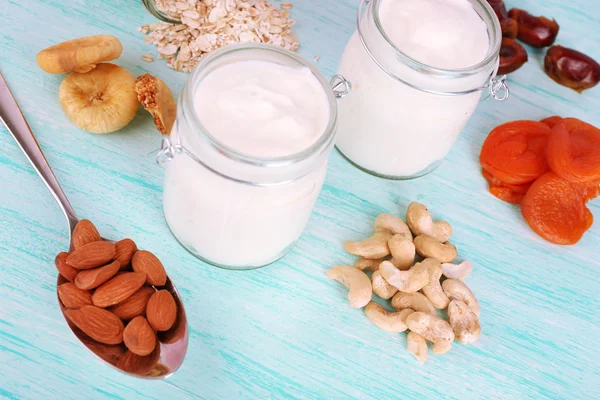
[(158, 100), (79, 55)]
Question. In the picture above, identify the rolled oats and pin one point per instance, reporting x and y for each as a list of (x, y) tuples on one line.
[(207, 25)]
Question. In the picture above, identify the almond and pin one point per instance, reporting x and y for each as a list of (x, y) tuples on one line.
[(178, 329), (144, 261), (73, 297), (101, 325), (92, 255), (161, 310), (118, 289), (139, 337), (139, 365), (125, 249), (63, 268), (92, 278), (135, 305), (85, 232)]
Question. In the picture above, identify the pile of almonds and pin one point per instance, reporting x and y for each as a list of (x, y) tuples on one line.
[(415, 289), (113, 295)]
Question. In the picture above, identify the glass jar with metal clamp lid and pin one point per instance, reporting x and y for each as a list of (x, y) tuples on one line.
[(404, 115), (230, 207)]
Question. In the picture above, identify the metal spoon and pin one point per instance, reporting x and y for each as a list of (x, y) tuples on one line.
[(173, 343)]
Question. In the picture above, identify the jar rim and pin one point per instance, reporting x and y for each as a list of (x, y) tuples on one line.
[(321, 144), (491, 56)]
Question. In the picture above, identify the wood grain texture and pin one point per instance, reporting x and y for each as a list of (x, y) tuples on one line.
[(286, 331)]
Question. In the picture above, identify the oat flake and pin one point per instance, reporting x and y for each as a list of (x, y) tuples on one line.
[(207, 25)]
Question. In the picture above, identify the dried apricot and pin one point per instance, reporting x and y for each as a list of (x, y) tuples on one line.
[(515, 152), (574, 151), (551, 121), (509, 193), (555, 210)]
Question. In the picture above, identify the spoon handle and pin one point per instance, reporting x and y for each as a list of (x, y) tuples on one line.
[(15, 122)]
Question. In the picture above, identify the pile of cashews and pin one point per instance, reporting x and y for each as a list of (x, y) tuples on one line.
[(414, 288)]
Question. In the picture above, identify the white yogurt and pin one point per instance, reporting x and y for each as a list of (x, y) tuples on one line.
[(260, 109), (388, 127)]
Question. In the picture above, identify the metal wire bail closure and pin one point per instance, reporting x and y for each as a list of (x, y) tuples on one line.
[(499, 89), (341, 87), (167, 151)]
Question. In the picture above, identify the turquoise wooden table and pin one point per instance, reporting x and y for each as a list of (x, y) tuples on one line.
[(286, 331)]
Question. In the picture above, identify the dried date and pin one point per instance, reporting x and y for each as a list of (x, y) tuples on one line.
[(512, 56), (499, 8), (510, 28), (571, 68), (535, 31)]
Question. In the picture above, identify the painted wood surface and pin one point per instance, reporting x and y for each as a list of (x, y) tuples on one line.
[(286, 331)]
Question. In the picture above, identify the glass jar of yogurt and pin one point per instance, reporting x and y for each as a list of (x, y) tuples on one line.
[(248, 154), (417, 69)]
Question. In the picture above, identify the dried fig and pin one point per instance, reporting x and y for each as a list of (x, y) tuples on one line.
[(79, 55), (512, 56), (571, 68), (535, 31)]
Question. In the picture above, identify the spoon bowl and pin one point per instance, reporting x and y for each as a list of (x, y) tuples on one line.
[(172, 344)]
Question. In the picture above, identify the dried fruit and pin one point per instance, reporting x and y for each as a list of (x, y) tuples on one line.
[(73, 297), (92, 255), (574, 151), (92, 278), (535, 31), (101, 325), (158, 100), (551, 121), (161, 310), (118, 289), (145, 261), (124, 251), (79, 55), (510, 28), (515, 152), (139, 365), (64, 269), (100, 101), (555, 210), (509, 193), (139, 337), (571, 68), (85, 232), (512, 56), (135, 305), (499, 8)]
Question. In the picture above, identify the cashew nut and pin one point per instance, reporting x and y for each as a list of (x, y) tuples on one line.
[(415, 301), (457, 290), (420, 222), (464, 322), (394, 225), (433, 289), (403, 251), (417, 346), (406, 281), (374, 247), (357, 283), (457, 271), (427, 246), (364, 264), (381, 288), (388, 321), (432, 328)]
